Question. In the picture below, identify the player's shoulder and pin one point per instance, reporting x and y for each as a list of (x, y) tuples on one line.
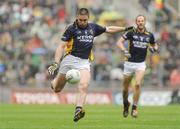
[(92, 24), (70, 26), (148, 32), (130, 33)]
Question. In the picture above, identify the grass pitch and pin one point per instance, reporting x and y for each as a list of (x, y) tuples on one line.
[(97, 117)]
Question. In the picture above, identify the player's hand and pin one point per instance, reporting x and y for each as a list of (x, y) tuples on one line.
[(127, 54), (53, 68), (130, 28), (152, 49)]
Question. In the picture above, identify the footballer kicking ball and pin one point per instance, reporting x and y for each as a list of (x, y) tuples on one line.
[(73, 76)]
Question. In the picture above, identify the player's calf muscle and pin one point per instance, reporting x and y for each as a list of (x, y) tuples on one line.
[(57, 86), (126, 83)]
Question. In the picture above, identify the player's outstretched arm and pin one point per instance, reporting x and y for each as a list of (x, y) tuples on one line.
[(114, 29)]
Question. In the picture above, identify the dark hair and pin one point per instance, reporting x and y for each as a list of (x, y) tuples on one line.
[(140, 15), (83, 11)]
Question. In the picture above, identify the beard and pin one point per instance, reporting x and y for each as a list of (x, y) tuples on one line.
[(141, 27), (82, 26)]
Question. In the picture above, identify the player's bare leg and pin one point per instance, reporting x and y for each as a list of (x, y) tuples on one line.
[(58, 83), (126, 104), (138, 80), (81, 97)]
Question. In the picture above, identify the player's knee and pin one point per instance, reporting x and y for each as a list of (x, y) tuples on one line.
[(126, 82), (137, 87), (83, 87), (138, 83), (126, 88)]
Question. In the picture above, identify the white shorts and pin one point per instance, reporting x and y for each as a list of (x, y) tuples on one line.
[(131, 67), (72, 62)]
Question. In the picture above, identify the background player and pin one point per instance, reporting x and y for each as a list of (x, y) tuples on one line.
[(77, 41), (139, 41)]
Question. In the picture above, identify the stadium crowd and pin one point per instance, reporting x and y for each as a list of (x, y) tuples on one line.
[(30, 31)]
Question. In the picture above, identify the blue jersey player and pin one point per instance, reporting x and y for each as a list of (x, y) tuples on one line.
[(139, 42), (75, 52)]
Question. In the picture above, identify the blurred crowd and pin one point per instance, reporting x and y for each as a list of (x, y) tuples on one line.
[(31, 30)]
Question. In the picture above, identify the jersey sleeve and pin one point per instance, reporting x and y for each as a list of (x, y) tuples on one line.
[(67, 34), (152, 39), (127, 35), (99, 29)]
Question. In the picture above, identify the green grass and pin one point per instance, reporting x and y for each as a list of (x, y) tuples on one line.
[(97, 117)]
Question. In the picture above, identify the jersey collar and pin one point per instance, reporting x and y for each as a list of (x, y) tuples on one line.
[(145, 30), (76, 25)]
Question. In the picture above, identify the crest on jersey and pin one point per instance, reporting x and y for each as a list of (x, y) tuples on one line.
[(147, 39), (91, 31), (85, 32), (78, 32)]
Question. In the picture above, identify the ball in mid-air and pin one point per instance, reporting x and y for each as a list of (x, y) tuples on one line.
[(73, 76)]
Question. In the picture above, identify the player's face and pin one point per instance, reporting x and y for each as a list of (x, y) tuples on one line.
[(82, 21), (140, 22)]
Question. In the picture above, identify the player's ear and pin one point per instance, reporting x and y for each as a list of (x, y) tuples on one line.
[(75, 22)]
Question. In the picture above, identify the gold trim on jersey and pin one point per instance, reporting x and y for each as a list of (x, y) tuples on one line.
[(91, 56), (146, 32), (69, 47)]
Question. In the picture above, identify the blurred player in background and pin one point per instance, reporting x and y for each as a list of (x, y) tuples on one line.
[(75, 52), (139, 42)]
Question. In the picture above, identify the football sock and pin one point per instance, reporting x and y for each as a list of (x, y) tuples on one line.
[(125, 98), (78, 108)]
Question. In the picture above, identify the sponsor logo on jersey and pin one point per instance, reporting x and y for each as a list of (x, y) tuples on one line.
[(91, 32), (147, 39), (140, 44), (85, 38)]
